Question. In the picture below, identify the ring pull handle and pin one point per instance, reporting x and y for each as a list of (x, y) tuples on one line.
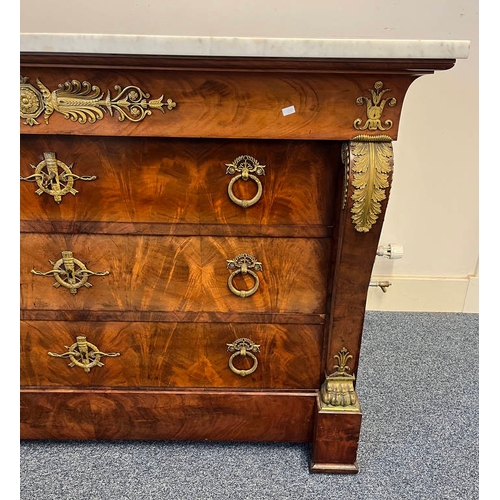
[(54, 177), (243, 264), (70, 273), (243, 347), (246, 166)]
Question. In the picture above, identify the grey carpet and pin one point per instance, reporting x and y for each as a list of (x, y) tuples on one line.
[(418, 386)]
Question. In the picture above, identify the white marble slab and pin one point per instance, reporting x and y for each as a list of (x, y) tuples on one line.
[(244, 47)]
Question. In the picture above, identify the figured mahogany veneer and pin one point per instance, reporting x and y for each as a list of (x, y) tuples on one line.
[(156, 273), (159, 219), (173, 355), (181, 182), (158, 415), (228, 104)]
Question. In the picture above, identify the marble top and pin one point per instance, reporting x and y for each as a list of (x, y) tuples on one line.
[(244, 47)]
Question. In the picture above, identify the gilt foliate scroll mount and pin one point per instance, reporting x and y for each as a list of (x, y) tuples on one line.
[(54, 177), (374, 109), (83, 102)]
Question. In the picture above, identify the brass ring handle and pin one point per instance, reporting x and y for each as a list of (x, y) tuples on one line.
[(246, 166), (243, 347), (238, 201), (243, 373), (244, 264), (243, 293)]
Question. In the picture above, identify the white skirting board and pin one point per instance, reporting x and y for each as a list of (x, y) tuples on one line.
[(421, 293)]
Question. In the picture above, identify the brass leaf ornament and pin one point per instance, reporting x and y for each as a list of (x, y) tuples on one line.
[(371, 163), (83, 102)]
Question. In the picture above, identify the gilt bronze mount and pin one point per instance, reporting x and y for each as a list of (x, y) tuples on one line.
[(337, 392), (243, 347), (70, 273), (83, 354), (54, 177), (245, 166), (243, 264), (83, 102)]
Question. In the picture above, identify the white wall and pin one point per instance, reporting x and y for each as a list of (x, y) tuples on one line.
[(433, 208)]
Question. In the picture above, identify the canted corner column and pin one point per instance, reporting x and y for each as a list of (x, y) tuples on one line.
[(368, 165)]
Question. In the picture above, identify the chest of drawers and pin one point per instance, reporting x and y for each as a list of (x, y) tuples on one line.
[(197, 239)]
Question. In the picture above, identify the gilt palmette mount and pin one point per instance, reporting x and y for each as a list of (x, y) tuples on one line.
[(374, 109), (337, 392), (83, 102)]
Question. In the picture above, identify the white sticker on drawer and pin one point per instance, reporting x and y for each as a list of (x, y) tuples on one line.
[(288, 111)]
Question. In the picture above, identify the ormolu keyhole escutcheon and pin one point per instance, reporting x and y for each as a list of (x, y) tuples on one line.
[(243, 347), (84, 354), (54, 177), (246, 166), (243, 264), (70, 273)]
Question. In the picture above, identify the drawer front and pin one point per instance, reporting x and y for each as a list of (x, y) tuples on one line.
[(171, 181), (200, 415), (169, 355), (152, 273), (213, 103)]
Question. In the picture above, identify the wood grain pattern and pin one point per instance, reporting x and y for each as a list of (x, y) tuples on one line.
[(174, 316), (354, 255), (249, 64), (181, 181), (335, 441), (159, 218), (149, 273), (177, 229), (222, 104), (172, 355), (174, 415)]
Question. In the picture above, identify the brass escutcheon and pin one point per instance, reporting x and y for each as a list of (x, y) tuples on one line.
[(243, 347), (244, 264), (68, 276), (51, 180), (247, 166), (84, 354)]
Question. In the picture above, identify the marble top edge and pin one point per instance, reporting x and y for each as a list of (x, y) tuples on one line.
[(244, 47)]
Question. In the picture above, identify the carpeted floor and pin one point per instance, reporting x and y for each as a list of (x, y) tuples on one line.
[(418, 387)]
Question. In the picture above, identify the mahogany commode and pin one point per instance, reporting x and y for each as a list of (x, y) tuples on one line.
[(197, 240)]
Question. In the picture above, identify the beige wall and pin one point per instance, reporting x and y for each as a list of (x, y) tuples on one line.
[(433, 209)]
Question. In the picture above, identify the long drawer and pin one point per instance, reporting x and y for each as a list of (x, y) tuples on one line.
[(176, 181), (140, 354), (202, 415), (152, 273)]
